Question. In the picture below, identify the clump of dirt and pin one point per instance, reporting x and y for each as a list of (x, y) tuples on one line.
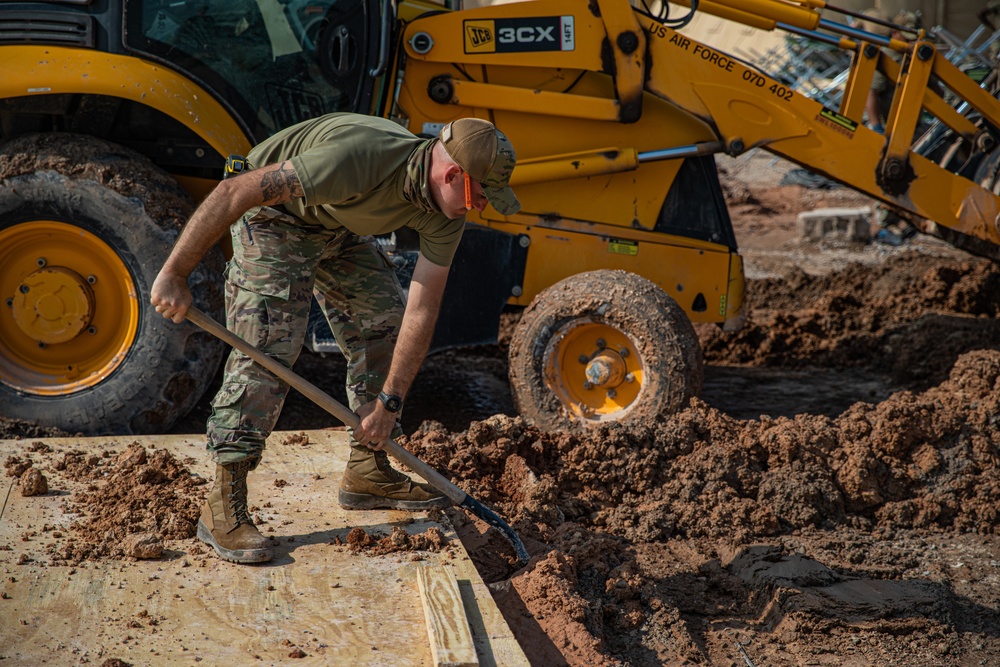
[(33, 483), (30, 480), (15, 466), (143, 546), (374, 544), (131, 502), (300, 439)]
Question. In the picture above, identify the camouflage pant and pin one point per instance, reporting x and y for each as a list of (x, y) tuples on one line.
[(269, 286)]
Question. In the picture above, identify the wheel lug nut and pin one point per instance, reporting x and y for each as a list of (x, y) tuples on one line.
[(612, 393), (91, 279), (583, 358), (10, 302), (24, 289), (42, 345), (601, 344), (623, 352), (92, 330), (629, 377), (587, 385), (40, 261)]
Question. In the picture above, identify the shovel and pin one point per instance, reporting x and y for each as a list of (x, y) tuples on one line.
[(347, 416)]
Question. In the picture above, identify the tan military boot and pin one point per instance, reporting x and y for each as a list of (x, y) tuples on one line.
[(370, 482), (225, 524)]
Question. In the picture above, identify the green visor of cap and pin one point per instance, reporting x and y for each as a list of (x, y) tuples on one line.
[(502, 198), (496, 184)]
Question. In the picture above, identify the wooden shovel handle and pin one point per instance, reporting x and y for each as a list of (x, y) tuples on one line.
[(347, 416), (325, 401)]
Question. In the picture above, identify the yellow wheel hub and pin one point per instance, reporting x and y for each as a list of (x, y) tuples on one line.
[(594, 369), (53, 305), (69, 309)]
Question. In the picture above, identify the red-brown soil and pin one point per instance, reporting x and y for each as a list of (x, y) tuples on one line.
[(128, 502), (647, 541)]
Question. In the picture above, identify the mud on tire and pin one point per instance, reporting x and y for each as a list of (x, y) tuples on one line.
[(135, 209), (612, 330)]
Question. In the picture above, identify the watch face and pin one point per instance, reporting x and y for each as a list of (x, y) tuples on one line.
[(391, 403)]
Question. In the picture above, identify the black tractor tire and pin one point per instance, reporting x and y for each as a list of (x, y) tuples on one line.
[(137, 210), (620, 310)]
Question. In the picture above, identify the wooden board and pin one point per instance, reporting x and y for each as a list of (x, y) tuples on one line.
[(447, 627), (334, 606)]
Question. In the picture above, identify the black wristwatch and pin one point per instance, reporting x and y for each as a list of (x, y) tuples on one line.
[(392, 403)]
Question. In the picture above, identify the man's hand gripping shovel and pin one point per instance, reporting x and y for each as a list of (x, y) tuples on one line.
[(344, 414)]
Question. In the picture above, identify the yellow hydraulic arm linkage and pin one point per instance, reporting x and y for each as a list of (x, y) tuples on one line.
[(729, 105)]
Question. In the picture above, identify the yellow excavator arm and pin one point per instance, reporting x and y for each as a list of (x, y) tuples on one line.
[(534, 61)]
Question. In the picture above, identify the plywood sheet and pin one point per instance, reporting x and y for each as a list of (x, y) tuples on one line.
[(315, 598)]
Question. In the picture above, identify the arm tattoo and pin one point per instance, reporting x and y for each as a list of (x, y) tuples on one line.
[(280, 185)]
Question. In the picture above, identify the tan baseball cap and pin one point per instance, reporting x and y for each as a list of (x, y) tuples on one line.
[(486, 156)]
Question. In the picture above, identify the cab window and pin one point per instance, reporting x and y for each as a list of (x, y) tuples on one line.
[(273, 62)]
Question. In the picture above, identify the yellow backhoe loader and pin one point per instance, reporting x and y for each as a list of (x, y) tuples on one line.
[(115, 116)]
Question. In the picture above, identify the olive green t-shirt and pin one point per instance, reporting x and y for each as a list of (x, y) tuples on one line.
[(352, 169)]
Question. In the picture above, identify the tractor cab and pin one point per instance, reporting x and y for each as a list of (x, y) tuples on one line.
[(275, 62)]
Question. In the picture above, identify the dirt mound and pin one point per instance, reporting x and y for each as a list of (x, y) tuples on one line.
[(593, 511), (911, 317), (916, 460), (129, 504), (615, 520)]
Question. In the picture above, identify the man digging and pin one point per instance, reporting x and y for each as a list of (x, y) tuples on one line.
[(308, 205)]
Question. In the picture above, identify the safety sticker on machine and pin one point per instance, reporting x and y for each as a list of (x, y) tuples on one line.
[(841, 123), (621, 247), (514, 35)]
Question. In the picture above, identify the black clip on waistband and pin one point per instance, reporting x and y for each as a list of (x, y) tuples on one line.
[(235, 165)]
